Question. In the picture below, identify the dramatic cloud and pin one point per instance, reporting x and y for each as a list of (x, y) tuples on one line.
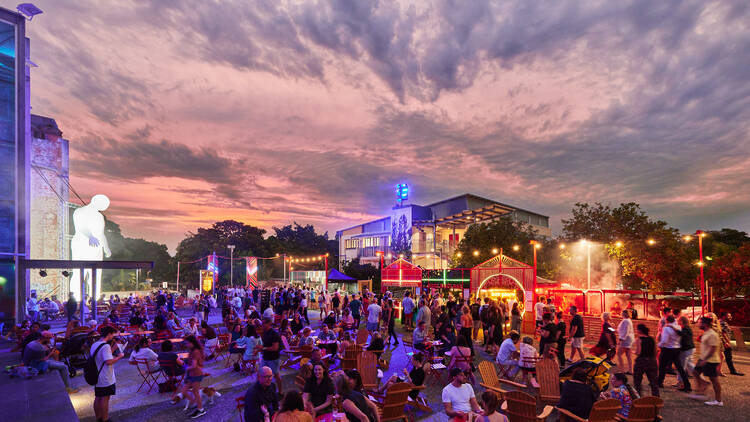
[(273, 111)]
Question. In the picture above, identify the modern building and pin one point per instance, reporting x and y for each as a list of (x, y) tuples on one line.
[(430, 232), (14, 169)]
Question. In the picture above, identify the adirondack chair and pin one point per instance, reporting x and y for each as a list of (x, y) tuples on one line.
[(409, 345), (603, 411), (391, 405), (367, 365), (297, 355), (349, 360), (548, 377), (489, 377), (362, 335), (645, 409), (521, 407)]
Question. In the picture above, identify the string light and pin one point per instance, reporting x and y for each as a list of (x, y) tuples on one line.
[(476, 253), (494, 251), (562, 246), (618, 244), (651, 242), (516, 248), (459, 254)]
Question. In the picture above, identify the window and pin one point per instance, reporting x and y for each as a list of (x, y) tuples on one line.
[(370, 241), (352, 243)]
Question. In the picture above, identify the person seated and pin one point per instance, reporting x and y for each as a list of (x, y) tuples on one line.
[(296, 324), (254, 314), (305, 338), (38, 354), (294, 409), (262, 398), (526, 360), (414, 377), (326, 334), (318, 390), (169, 362), (376, 343), (142, 351), (252, 344), (458, 397), (490, 403), (316, 357), (621, 391), (458, 353), (576, 396), (192, 328), (174, 325), (210, 339), (136, 320), (508, 355), (268, 313), (160, 323), (447, 337), (112, 317), (34, 333), (330, 320), (419, 336)]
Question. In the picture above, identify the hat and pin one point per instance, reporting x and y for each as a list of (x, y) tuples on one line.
[(47, 334)]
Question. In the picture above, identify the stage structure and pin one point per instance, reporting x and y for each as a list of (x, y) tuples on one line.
[(501, 276)]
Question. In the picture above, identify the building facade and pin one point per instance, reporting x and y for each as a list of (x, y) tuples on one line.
[(429, 232)]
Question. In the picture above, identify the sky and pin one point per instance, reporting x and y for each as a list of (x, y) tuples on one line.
[(271, 111)]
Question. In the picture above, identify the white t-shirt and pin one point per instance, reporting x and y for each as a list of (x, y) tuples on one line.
[(374, 313), (506, 349), (625, 330), (107, 374), (458, 397), (539, 310), (408, 305), (151, 357)]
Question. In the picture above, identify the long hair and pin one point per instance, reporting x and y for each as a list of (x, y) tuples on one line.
[(194, 342), (250, 331), (341, 382), (143, 342), (355, 376), (292, 401)]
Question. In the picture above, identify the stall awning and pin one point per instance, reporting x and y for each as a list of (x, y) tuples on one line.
[(401, 273), (339, 277)]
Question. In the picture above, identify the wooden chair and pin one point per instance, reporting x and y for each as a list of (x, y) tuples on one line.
[(168, 367), (603, 411), (489, 377), (467, 360), (645, 409), (349, 360), (362, 335), (296, 355), (408, 345), (739, 339), (367, 365), (521, 407), (391, 405), (548, 376)]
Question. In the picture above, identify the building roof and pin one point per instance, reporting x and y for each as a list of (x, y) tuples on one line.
[(483, 199), (42, 126)]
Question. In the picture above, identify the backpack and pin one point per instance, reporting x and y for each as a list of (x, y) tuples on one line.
[(90, 373)]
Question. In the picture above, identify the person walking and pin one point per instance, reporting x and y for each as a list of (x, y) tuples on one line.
[(669, 352), (645, 361), (561, 339), (708, 364), (576, 334), (687, 347), (626, 335), (724, 319)]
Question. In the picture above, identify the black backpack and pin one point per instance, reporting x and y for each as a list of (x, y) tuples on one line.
[(90, 372)]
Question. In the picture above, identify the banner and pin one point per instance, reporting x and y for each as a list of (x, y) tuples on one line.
[(213, 266), (206, 281), (251, 272)]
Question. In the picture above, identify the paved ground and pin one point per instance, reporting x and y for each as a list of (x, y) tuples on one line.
[(128, 405)]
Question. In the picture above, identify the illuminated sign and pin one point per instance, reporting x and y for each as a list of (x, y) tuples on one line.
[(402, 192), (206, 281)]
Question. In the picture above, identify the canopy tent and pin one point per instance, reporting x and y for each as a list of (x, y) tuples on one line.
[(401, 273), (338, 277)]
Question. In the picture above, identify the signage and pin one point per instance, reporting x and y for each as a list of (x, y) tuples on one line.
[(207, 281), (164, 285)]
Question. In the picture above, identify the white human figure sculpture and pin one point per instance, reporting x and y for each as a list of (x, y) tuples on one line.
[(89, 242)]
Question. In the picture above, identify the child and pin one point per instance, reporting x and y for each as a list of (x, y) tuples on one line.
[(622, 392), (526, 361)]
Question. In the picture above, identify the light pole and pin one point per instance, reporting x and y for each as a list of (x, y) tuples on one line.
[(534, 246), (231, 265), (700, 234), (588, 263)]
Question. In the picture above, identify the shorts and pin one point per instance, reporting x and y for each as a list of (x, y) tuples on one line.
[(708, 369), (273, 364), (104, 391), (626, 342), (197, 378), (576, 342), (372, 326)]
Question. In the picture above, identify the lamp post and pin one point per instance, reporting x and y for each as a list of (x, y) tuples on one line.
[(700, 234), (588, 263), (231, 265), (534, 246)]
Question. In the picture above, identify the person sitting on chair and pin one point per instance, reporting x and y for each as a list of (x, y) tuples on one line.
[(576, 396), (458, 397), (419, 336), (508, 355)]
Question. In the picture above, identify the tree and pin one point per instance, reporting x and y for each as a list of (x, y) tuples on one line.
[(303, 241), (729, 275), (359, 271), (500, 233), (651, 255)]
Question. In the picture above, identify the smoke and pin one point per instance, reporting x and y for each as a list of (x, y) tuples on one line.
[(576, 260)]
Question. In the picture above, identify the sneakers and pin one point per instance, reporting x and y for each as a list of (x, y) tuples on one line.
[(198, 413), (715, 403)]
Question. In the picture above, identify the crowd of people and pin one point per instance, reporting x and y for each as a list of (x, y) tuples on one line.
[(261, 325)]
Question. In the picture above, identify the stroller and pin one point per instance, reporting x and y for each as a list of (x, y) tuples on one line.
[(597, 372), (75, 352)]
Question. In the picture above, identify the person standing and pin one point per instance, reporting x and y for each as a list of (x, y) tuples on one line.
[(645, 361), (105, 360), (669, 352), (626, 336), (70, 307), (547, 335), (476, 321), (424, 314), (539, 313), (373, 316), (391, 321), (708, 364), (687, 347), (271, 341), (408, 307), (515, 318), (32, 306), (576, 334), (356, 307), (724, 319), (560, 339)]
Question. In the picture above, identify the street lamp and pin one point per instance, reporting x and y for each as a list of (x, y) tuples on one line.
[(231, 265), (700, 234), (588, 263), (476, 253), (534, 246), (516, 248), (494, 251)]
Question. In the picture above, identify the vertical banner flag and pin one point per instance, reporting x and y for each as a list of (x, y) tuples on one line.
[(213, 265), (206, 281), (251, 271)]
